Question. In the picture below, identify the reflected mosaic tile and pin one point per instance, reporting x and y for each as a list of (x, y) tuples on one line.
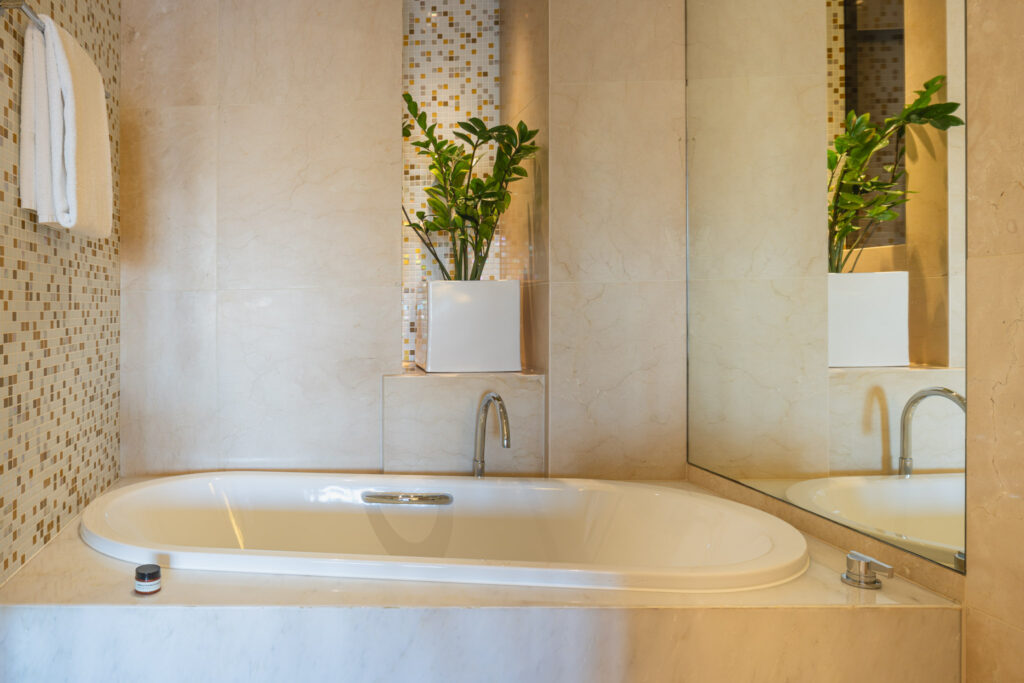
[(59, 321), (451, 66), (877, 66)]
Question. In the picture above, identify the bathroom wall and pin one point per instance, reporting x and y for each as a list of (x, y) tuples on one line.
[(617, 364), (59, 321), (995, 309), (927, 216), (261, 274), (525, 97), (757, 280)]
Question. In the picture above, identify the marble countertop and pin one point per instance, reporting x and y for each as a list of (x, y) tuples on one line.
[(68, 572)]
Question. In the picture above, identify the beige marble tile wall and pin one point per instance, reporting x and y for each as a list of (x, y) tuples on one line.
[(927, 216), (995, 309), (865, 406), (524, 97), (757, 292), (59, 322), (261, 273), (617, 373), (429, 422), (956, 183)]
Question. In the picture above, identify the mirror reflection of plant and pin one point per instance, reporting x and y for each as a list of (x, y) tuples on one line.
[(466, 207), (859, 202)]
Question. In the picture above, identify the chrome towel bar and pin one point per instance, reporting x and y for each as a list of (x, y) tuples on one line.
[(23, 7)]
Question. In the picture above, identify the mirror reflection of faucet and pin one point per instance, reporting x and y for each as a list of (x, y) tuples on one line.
[(906, 461)]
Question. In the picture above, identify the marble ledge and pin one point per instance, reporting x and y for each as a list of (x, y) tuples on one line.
[(410, 370), (67, 572)]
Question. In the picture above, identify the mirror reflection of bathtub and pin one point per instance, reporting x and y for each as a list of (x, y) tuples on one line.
[(923, 513)]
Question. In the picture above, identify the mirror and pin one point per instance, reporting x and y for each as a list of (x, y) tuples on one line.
[(806, 384)]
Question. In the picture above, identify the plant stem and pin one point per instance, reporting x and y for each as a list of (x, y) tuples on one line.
[(428, 244)]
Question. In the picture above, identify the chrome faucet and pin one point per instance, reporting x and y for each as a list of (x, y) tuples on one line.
[(481, 429), (906, 462)]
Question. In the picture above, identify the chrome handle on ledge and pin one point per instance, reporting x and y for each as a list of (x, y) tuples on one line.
[(399, 498), (861, 570)]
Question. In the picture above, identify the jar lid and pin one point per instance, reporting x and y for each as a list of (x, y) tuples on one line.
[(147, 572)]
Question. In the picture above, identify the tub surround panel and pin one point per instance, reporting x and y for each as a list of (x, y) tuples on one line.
[(299, 196), (648, 43), (430, 423), (297, 396), (170, 41), (617, 373), (262, 201), (618, 206), (59, 318), (172, 243), (270, 644), (174, 430), (272, 57), (617, 407)]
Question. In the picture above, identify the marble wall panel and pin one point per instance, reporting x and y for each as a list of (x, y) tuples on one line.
[(430, 423), (262, 193)]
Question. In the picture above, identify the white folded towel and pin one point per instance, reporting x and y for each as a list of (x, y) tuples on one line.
[(34, 143), (72, 117)]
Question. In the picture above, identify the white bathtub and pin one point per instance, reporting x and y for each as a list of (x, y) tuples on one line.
[(923, 513), (539, 532)]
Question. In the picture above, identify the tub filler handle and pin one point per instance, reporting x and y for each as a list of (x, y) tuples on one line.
[(400, 498), (862, 570)]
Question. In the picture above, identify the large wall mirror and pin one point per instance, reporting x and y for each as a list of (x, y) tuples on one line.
[(826, 321)]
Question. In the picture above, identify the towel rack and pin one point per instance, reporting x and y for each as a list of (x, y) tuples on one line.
[(23, 6), (32, 16)]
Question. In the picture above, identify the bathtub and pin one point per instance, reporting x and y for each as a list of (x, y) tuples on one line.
[(923, 513), (537, 532)]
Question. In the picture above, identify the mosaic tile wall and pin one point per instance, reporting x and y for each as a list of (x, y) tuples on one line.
[(879, 87), (835, 54), (450, 64), (59, 318)]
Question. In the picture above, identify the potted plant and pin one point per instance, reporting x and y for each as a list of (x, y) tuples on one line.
[(465, 324), (868, 312)]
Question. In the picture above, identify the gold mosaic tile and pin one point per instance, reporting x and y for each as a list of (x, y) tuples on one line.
[(879, 73), (59, 319), (451, 66)]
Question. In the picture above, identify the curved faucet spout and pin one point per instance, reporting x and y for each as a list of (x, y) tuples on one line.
[(907, 462), (481, 429)]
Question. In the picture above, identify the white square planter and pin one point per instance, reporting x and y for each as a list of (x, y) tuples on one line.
[(468, 326), (868, 319)]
